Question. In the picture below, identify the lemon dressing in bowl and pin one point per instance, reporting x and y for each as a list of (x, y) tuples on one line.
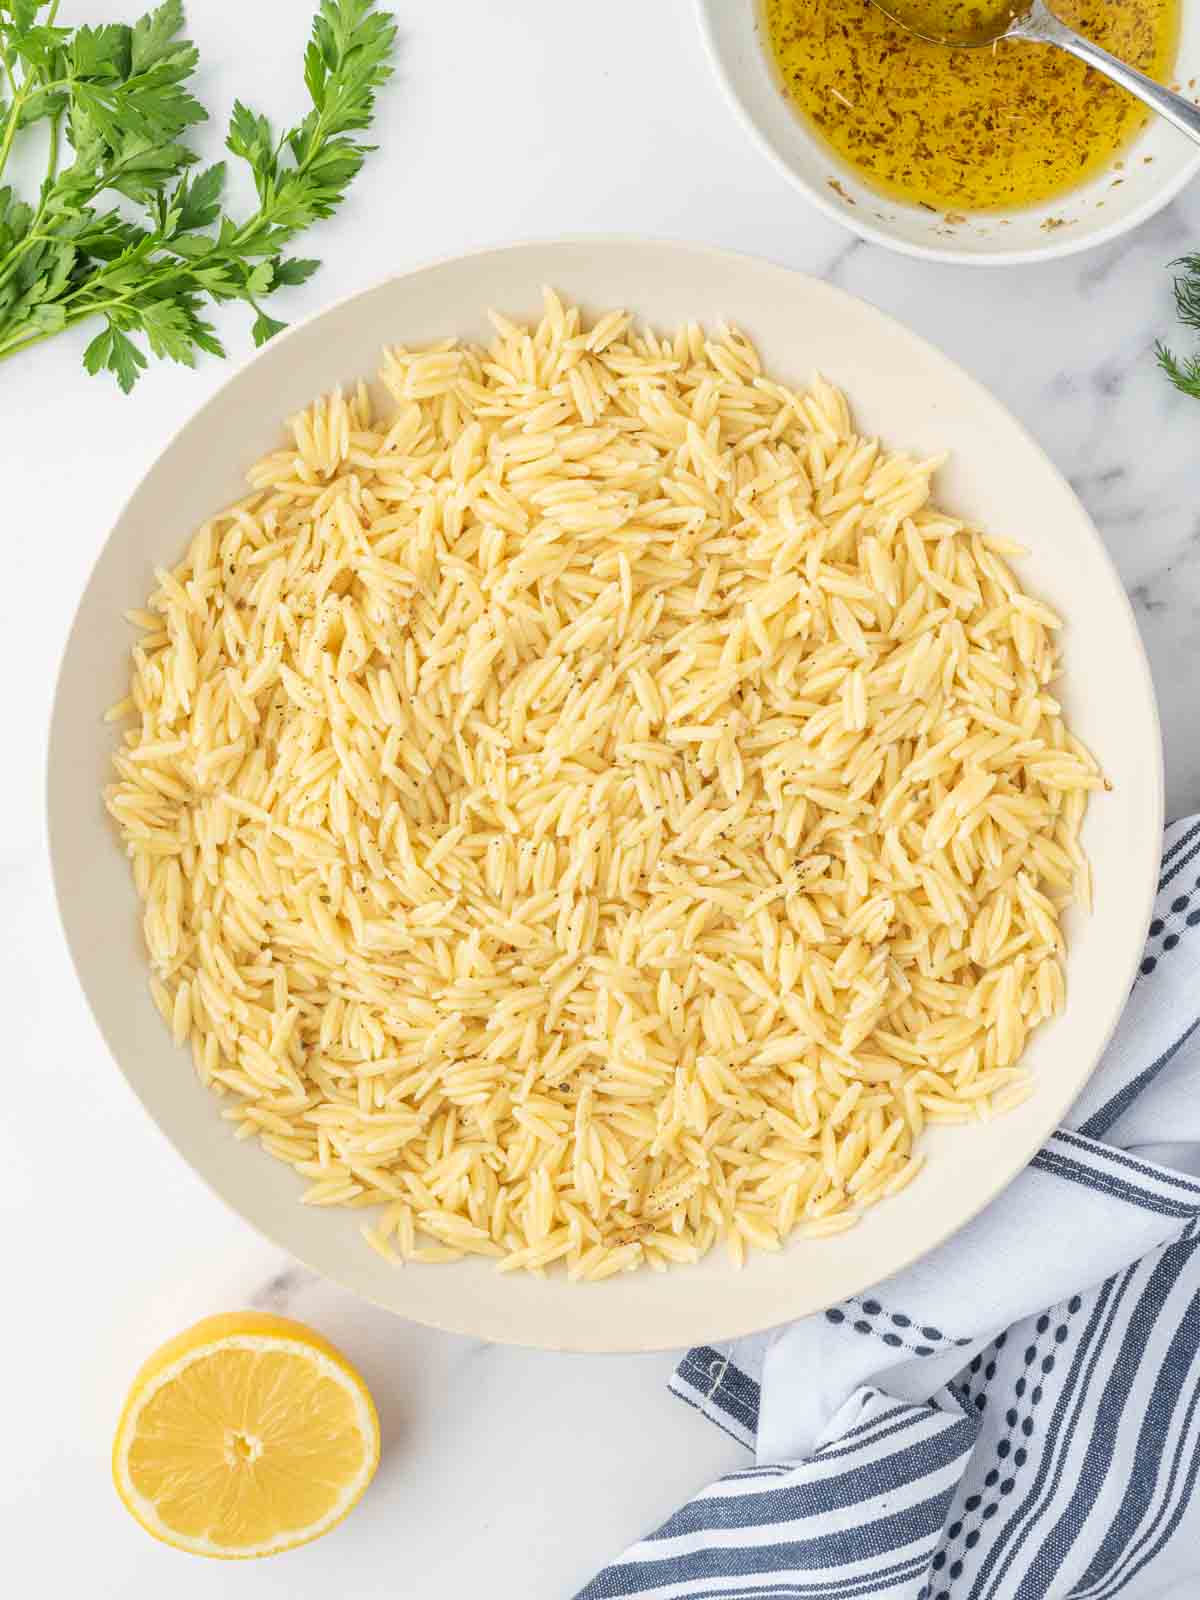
[(1011, 124)]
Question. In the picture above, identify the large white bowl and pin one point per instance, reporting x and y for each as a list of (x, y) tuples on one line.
[(900, 388), (1152, 170)]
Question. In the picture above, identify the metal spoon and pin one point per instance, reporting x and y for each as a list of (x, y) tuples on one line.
[(989, 21)]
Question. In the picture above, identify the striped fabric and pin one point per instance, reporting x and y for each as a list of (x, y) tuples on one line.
[(1017, 1417)]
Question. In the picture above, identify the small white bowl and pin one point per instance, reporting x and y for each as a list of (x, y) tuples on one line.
[(902, 390), (1154, 168)]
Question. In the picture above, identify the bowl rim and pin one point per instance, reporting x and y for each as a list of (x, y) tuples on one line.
[(1057, 246), (731, 1324)]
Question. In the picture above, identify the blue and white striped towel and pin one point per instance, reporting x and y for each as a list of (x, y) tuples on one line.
[(1017, 1417)]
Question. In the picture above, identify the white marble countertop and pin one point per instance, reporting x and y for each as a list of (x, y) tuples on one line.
[(505, 1471)]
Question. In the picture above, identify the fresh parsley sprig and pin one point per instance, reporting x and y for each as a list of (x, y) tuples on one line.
[(1184, 372), (121, 228)]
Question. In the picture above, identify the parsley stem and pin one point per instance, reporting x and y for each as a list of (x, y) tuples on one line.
[(18, 98), (10, 128), (6, 59), (9, 263), (7, 350), (52, 162)]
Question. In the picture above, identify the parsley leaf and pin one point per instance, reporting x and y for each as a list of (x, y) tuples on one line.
[(111, 351), (265, 328), (119, 110)]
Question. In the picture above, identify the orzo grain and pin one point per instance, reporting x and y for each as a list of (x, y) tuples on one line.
[(599, 804)]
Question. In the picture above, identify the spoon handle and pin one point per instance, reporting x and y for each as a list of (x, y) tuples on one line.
[(1040, 23)]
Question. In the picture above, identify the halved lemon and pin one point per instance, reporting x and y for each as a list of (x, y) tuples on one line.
[(246, 1435)]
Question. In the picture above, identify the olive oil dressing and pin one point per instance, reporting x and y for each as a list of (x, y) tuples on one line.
[(1014, 123)]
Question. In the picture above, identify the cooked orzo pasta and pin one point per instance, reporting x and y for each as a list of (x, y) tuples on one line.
[(595, 803)]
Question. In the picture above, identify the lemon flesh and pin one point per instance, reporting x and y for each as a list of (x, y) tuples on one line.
[(246, 1435)]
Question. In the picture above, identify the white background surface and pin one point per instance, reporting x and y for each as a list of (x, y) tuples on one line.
[(505, 1472)]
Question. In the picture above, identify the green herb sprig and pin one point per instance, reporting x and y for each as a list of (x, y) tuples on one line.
[(118, 110), (1184, 372)]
